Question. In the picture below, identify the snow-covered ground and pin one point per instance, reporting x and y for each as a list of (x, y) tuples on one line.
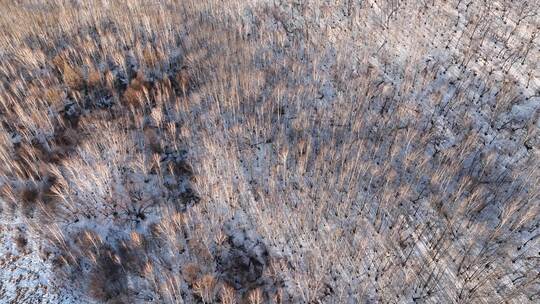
[(270, 152)]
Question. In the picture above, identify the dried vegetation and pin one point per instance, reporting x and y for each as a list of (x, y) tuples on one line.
[(282, 152)]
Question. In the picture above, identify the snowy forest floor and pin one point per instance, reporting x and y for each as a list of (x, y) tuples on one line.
[(269, 151)]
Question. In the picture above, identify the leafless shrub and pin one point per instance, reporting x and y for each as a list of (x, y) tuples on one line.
[(108, 280), (191, 272), (206, 288), (253, 152), (73, 77), (183, 79), (228, 295), (243, 261), (21, 242)]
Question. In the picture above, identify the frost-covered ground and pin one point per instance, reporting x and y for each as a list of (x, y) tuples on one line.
[(269, 152)]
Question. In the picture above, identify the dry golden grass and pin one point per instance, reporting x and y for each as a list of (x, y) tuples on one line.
[(253, 152)]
